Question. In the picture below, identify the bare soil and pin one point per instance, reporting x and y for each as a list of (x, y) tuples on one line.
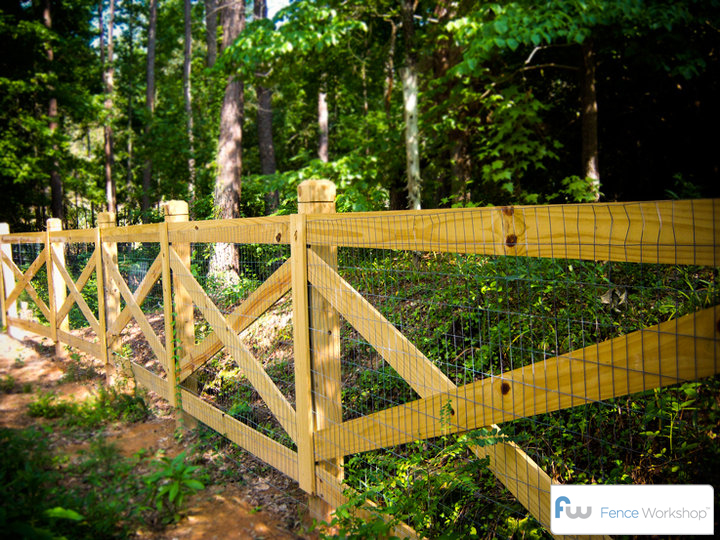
[(244, 499)]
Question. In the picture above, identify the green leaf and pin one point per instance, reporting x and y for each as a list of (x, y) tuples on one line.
[(513, 44), (63, 513), (500, 26), (174, 490)]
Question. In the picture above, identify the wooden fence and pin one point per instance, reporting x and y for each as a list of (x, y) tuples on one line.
[(666, 232)]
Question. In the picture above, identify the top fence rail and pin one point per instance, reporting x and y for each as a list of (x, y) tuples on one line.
[(665, 232)]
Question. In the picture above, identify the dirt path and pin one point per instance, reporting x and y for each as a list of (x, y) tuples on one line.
[(245, 506)]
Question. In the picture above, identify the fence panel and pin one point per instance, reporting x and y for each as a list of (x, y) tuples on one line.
[(237, 375), (451, 348)]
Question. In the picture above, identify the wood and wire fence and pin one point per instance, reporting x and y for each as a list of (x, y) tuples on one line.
[(440, 368)]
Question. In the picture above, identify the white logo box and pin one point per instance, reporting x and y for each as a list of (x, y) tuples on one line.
[(632, 509)]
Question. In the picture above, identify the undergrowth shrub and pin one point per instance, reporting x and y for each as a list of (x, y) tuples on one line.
[(100, 494)]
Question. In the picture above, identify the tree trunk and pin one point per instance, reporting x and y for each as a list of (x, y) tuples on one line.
[(109, 75), (130, 105), (211, 31), (187, 66), (264, 122), (410, 100), (323, 130), (149, 102), (224, 262), (56, 186), (590, 143)]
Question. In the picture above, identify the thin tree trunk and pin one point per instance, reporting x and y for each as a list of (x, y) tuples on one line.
[(224, 262), (264, 123), (130, 104), (410, 100), (149, 102), (323, 131), (56, 185), (187, 65), (211, 31), (109, 75), (590, 143)]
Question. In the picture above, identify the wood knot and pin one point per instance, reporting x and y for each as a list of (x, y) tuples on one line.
[(717, 326), (505, 388), (278, 237), (507, 210), (196, 227), (511, 240)]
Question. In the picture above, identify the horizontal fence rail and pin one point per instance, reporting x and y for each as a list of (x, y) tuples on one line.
[(393, 353)]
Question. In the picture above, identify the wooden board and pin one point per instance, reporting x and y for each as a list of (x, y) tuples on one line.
[(683, 349), (301, 350), (23, 238), (132, 233), (150, 381), (259, 445), (251, 368), (30, 326), (261, 230), (671, 232), (137, 313), (89, 347), (80, 236), (257, 303)]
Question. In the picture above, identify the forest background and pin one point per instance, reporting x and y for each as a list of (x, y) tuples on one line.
[(121, 104)]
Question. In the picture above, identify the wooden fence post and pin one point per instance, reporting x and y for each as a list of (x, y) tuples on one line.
[(318, 197), (8, 284), (57, 290), (178, 212), (109, 257)]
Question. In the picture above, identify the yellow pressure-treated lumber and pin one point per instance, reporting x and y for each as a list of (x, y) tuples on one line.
[(74, 341), (252, 369), (271, 452), (9, 309), (130, 233), (4, 229), (23, 238), (168, 316), (671, 232), (109, 259), (683, 349), (301, 348), (139, 295), (30, 326), (56, 290), (96, 261), (139, 316), (75, 293), (411, 364), (257, 303), (79, 285), (150, 381), (318, 197), (261, 230), (79, 236)]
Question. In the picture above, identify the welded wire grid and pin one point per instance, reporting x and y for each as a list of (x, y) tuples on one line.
[(247, 371), (479, 317), (135, 260), (23, 255)]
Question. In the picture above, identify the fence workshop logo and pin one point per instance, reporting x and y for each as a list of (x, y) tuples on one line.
[(572, 514), (632, 509)]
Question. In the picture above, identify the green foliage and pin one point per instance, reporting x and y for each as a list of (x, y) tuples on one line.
[(172, 481), (107, 405), (100, 495)]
